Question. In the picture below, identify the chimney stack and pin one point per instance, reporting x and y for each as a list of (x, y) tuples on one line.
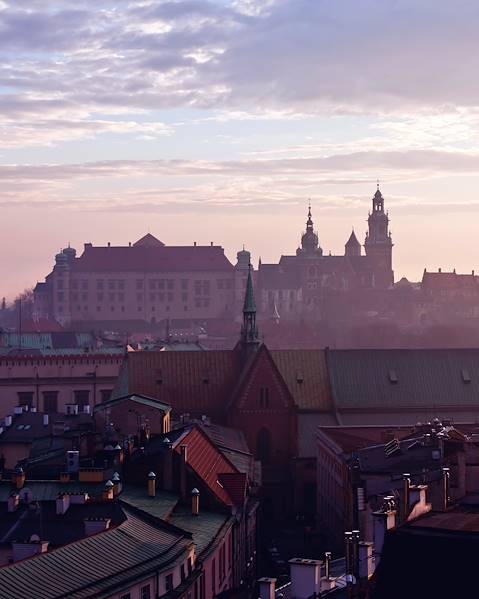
[(195, 502), (62, 503), (13, 502), (116, 484), (384, 519), (19, 478), (167, 465), (305, 577), (107, 494), (8, 421), (151, 484), (266, 588), (445, 488), (366, 561)]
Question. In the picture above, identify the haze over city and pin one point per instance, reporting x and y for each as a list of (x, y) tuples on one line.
[(217, 121)]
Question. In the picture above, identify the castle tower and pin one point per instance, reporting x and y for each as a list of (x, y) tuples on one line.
[(378, 244), (249, 330), (309, 240)]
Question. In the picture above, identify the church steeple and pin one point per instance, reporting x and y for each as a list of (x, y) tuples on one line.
[(309, 240), (249, 330), (378, 243)]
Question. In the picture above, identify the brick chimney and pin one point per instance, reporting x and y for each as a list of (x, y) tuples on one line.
[(151, 484), (107, 494), (266, 588), (195, 502)]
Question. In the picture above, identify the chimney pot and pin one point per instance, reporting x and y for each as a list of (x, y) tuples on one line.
[(195, 502), (266, 588), (46, 419), (151, 484)]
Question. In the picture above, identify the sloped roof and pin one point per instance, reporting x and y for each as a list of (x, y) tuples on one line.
[(189, 381), (207, 461), (95, 564), (306, 376), (148, 258), (149, 240), (151, 402), (403, 379), (449, 281)]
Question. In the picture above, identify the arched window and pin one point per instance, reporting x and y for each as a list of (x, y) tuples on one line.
[(263, 445)]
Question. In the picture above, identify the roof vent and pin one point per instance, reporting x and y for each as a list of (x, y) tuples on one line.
[(466, 377), (392, 448), (393, 377), (299, 378)]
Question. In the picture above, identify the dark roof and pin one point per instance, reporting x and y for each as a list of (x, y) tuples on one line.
[(305, 374), (347, 439), (449, 281), (403, 380), (28, 426), (94, 566), (151, 402), (151, 258), (433, 556), (353, 242)]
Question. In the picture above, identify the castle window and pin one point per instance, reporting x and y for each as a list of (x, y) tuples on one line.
[(264, 397)]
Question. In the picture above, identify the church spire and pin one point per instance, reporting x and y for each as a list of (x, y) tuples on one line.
[(249, 330)]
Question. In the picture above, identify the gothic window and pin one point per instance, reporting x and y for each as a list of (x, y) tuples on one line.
[(264, 397), (263, 445)]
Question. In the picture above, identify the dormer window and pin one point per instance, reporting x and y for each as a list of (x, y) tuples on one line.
[(466, 377)]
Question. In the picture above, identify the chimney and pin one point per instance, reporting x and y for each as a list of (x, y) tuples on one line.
[(64, 477), (45, 419), (8, 421), (445, 488), (348, 548), (194, 243), (366, 561), (327, 581), (211, 243), (109, 244), (406, 494), (25, 549), (107, 494), (195, 502), (384, 519), (18, 410), (355, 554), (96, 525), (116, 484), (63, 503), (417, 494), (266, 588), (13, 502), (439, 270), (305, 577), (184, 461), (129, 244), (19, 477), (151, 484)]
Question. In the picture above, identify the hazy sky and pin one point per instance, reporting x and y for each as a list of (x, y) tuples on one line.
[(217, 120)]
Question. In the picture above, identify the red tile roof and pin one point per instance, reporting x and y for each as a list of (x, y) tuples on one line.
[(235, 485), (449, 280), (209, 464), (152, 258), (192, 382)]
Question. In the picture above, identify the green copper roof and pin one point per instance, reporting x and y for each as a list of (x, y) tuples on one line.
[(249, 303)]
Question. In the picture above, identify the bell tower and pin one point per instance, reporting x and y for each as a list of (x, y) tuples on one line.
[(378, 244)]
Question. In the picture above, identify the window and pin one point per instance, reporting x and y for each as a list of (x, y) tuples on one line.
[(50, 402), (126, 596), (184, 297), (182, 572), (170, 297), (82, 397), (184, 284), (60, 296), (170, 283), (121, 284), (74, 284), (169, 582), (139, 284), (99, 284), (139, 297), (74, 297), (145, 592), (25, 398), (99, 297), (264, 397), (152, 284), (111, 284)]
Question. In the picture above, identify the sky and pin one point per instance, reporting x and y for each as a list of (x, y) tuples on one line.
[(218, 120)]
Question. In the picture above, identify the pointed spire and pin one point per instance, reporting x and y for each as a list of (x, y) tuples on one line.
[(249, 302), (309, 222), (249, 331)]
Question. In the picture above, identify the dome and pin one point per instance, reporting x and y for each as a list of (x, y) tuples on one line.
[(70, 253), (243, 258)]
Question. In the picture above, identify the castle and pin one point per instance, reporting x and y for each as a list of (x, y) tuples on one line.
[(150, 282)]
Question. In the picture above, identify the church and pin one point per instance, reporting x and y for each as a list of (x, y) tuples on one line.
[(309, 282)]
